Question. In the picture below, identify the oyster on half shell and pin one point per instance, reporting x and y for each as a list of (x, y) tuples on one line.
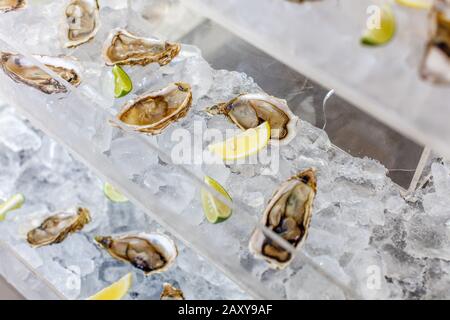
[(82, 22), (152, 112), (124, 48), (11, 5), (288, 214), (250, 110), (171, 293), (57, 227), (20, 69), (149, 252), (436, 61)]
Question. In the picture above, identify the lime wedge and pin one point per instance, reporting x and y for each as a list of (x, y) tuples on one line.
[(113, 194), (122, 82), (13, 203), (384, 33), (116, 291), (416, 4), (215, 210), (244, 144)]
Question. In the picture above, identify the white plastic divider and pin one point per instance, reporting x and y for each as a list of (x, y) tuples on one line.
[(29, 282)]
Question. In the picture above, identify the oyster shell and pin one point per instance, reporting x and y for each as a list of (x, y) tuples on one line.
[(436, 61), (288, 214), (56, 228), (124, 48), (82, 22), (171, 293), (18, 68), (151, 253), (152, 112), (250, 110), (11, 5)]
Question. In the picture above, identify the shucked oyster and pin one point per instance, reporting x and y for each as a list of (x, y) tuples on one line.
[(171, 293), (436, 61), (151, 253), (82, 22), (152, 112), (10, 5), (18, 68), (250, 110), (123, 48), (57, 227), (288, 214)]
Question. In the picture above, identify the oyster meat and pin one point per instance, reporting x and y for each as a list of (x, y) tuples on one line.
[(152, 112), (82, 22), (250, 110), (11, 5), (436, 62), (151, 253), (57, 227), (124, 48), (171, 293), (288, 214), (21, 70)]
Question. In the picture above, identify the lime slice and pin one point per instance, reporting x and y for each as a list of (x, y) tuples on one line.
[(122, 82), (244, 144), (215, 210), (416, 4), (116, 291), (13, 203), (384, 33), (113, 194)]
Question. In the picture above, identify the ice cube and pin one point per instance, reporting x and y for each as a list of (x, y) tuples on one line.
[(16, 135)]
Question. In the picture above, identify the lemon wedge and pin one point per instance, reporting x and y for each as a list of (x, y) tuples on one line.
[(244, 144), (116, 291), (215, 210), (122, 82), (416, 4), (113, 194), (13, 203), (385, 32)]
